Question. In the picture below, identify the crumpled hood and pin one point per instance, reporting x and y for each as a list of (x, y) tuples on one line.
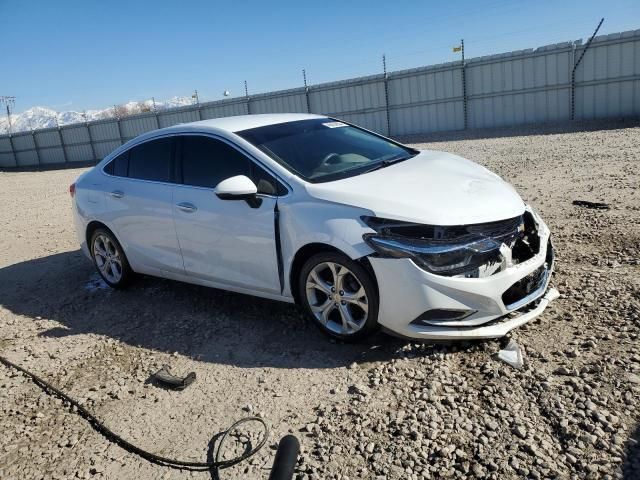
[(435, 188)]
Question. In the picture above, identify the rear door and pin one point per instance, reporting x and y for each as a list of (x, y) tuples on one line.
[(139, 205), (224, 241)]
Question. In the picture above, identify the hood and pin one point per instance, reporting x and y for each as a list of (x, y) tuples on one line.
[(434, 188)]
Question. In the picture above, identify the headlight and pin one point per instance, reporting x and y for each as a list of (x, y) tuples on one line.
[(440, 257), (444, 250)]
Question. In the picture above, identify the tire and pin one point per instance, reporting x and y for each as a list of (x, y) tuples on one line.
[(339, 296), (110, 260)]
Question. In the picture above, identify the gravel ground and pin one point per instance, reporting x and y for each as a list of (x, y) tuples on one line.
[(383, 409)]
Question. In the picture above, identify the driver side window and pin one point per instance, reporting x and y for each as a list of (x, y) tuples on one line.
[(207, 161)]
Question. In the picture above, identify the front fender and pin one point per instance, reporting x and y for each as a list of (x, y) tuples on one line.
[(333, 224)]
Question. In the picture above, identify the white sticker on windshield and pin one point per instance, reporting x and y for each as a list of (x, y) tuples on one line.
[(335, 124)]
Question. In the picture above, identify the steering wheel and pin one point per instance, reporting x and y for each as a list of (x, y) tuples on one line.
[(327, 160)]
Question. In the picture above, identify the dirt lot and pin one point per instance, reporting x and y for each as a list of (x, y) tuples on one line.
[(384, 409)]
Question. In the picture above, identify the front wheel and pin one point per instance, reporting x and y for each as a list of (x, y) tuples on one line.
[(109, 259), (339, 295)]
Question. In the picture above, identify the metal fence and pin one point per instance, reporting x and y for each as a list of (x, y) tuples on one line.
[(526, 86)]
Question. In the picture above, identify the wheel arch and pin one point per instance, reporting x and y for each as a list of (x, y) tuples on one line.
[(307, 251), (94, 225)]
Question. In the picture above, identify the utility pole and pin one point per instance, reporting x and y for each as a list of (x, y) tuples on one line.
[(9, 102)]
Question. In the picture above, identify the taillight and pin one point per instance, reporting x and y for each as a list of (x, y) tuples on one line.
[(72, 190)]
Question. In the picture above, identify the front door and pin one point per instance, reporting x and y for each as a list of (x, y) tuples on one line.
[(225, 241)]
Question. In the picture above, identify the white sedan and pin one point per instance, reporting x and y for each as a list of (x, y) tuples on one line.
[(358, 229)]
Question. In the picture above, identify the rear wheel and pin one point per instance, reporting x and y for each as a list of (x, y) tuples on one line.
[(339, 295), (109, 259)]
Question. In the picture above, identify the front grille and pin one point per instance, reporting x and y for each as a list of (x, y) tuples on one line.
[(525, 286)]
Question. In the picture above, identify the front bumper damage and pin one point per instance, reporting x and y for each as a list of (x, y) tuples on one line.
[(492, 305)]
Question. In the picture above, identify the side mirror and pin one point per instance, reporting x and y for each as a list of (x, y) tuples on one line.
[(239, 187)]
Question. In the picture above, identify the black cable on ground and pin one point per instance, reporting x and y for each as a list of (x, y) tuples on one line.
[(216, 464)]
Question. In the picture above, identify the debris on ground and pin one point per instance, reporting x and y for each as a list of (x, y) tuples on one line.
[(593, 205), (165, 378), (512, 354)]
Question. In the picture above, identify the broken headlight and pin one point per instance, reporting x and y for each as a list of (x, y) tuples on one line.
[(442, 250)]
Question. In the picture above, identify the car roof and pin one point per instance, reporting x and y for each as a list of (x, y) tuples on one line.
[(244, 122)]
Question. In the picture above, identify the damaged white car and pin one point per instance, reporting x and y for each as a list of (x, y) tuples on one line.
[(358, 229)]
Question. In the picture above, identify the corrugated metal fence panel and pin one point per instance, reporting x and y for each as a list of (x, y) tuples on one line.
[(47, 138), (76, 134), (361, 101), (348, 96), (6, 153), (608, 79), (7, 159), (223, 109), (51, 155), (133, 126), (104, 131), (168, 119), (105, 148), (79, 153), (519, 87), (5, 144), (375, 121), (27, 158), (426, 100), (282, 103), (23, 141)]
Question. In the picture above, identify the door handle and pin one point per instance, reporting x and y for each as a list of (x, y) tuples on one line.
[(187, 207), (117, 194)]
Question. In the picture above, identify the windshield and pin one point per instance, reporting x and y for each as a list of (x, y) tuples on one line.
[(323, 149)]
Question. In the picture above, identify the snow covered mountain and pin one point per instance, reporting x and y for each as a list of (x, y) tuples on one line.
[(43, 117)]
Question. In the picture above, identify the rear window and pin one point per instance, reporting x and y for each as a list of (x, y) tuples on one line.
[(119, 166), (152, 160)]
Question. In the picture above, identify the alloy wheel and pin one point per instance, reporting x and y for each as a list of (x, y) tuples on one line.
[(107, 258), (337, 298)]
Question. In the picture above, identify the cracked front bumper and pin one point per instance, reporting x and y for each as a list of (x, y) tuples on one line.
[(407, 291)]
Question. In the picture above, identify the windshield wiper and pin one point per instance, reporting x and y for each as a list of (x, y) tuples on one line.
[(387, 162)]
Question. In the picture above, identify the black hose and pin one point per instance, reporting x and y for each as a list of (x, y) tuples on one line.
[(216, 464), (286, 458)]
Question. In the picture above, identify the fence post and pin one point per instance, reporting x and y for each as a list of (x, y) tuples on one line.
[(118, 124), (198, 111), (35, 146), (246, 96), (64, 148), (386, 93), (575, 67), (155, 113), (572, 62), (306, 90), (93, 148), (464, 86), (13, 149)]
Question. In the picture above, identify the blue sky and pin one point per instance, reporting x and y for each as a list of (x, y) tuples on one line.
[(76, 55)]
